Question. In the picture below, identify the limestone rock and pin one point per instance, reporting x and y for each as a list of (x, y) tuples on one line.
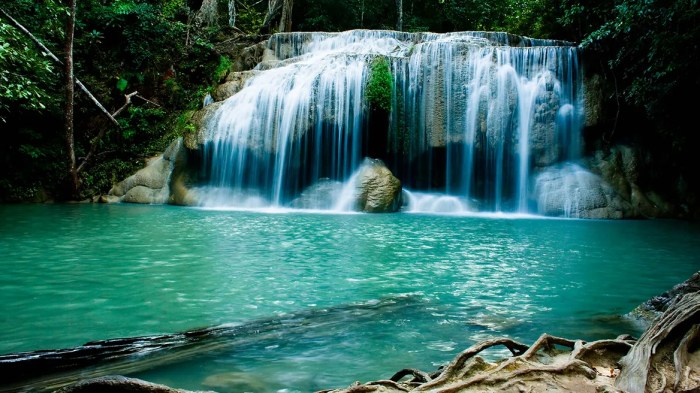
[(235, 81), (543, 138), (621, 167), (149, 185), (200, 119), (321, 195), (593, 100), (572, 191), (377, 190)]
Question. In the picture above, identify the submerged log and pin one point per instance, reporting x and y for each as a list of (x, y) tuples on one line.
[(119, 384)]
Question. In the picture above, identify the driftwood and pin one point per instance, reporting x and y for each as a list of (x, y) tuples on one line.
[(579, 367), (666, 358)]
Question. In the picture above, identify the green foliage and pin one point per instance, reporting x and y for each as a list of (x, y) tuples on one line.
[(648, 52), (142, 122), (121, 84), (25, 75), (222, 69), (380, 84), (183, 125), (251, 15)]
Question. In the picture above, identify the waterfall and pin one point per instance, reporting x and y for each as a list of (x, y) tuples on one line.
[(475, 116)]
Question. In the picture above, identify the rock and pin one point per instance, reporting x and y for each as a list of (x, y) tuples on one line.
[(235, 81), (321, 195), (593, 100), (149, 185), (236, 381), (648, 311), (572, 191), (621, 166), (377, 190), (118, 384), (544, 138), (108, 199), (200, 119)]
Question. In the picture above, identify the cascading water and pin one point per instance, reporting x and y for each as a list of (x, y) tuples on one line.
[(474, 117)]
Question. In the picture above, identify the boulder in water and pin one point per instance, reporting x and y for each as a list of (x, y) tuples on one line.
[(377, 190), (572, 191), (321, 195), (149, 185)]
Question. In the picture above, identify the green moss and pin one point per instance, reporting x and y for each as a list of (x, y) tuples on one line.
[(380, 84), (222, 69)]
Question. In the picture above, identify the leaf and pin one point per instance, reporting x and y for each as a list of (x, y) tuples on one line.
[(121, 84)]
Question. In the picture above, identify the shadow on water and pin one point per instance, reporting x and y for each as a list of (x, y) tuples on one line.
[(48, 370)]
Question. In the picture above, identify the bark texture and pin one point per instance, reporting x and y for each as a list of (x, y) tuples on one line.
[(666, 358), (550, 364)]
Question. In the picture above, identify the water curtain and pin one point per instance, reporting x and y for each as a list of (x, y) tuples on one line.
[(474, 116)]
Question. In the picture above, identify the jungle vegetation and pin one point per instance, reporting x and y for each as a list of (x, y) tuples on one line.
[(156, 59)]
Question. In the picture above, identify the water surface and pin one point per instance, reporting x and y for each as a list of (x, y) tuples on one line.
[(356, 296)]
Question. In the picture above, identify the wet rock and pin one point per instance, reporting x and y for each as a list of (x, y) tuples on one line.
[(648, 311), (377, 190), (621, 166), (321, 195), (200, 119), (235, 81), (543, 138), (118, 384), (572, 191), (149, 185), (593, 100)]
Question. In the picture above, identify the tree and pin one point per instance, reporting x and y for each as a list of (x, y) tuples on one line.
[(25, 75), (286, 19), (647, 53), (399, 15), (70, 93)]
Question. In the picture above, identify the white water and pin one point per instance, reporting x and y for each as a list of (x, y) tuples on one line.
[(496, 113)]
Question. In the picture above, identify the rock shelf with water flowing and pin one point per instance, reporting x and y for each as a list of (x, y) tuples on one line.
[(479, 122)]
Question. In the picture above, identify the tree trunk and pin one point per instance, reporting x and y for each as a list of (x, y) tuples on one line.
[(70, 92), (399, 15), (232, 13), (286, 20), (362, 14), (273, 7)]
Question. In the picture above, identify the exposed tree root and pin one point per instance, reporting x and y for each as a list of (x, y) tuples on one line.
[(665, 359), (540, 367)]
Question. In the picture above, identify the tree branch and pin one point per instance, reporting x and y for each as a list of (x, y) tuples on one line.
[(54, 58), (103, 131)]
